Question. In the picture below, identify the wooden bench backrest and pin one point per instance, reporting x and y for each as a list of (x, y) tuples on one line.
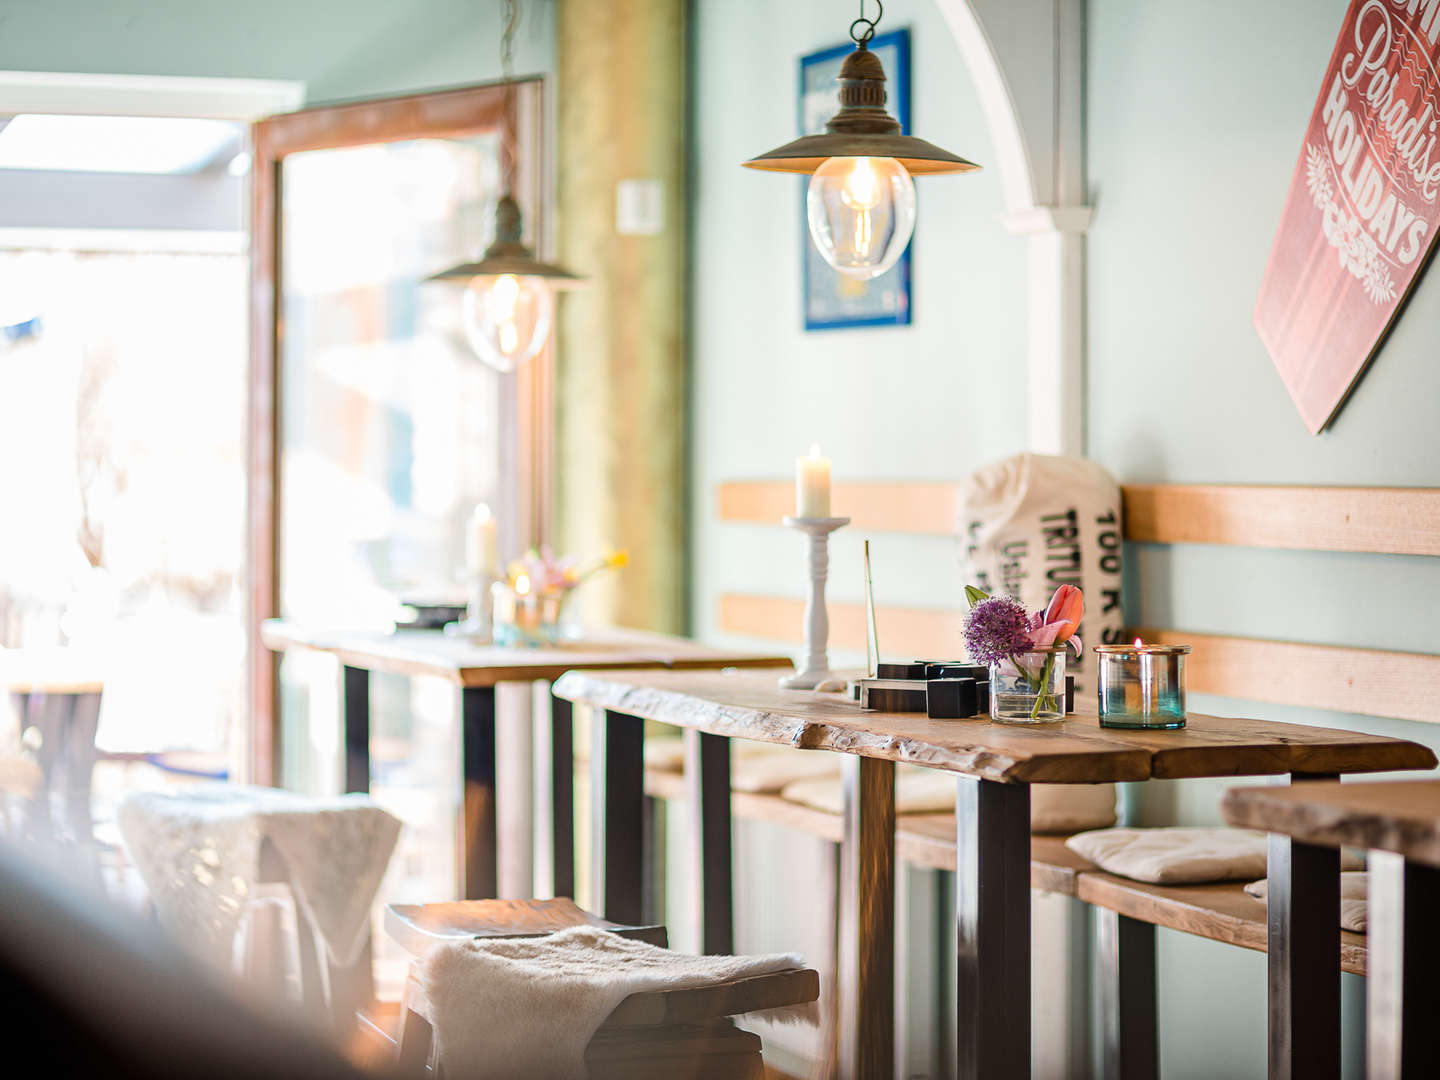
[(1397, 521)]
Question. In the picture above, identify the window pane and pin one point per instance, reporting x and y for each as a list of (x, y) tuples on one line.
[(391, 432)]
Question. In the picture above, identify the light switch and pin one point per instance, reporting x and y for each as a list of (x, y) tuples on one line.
[(639, 207)]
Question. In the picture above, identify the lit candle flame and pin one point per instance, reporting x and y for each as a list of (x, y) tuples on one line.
[(522, 584), (1139, 644), (815, 450)]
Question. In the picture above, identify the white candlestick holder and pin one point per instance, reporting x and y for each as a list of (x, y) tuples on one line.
[(815, 666), (479, 622)]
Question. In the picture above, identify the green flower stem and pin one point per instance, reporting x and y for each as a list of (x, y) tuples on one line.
[(1044, 681)]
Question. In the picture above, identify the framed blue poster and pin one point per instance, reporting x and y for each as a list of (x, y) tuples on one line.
[(832, 300)]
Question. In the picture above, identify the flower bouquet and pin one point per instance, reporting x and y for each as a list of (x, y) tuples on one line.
[(1025, 651), (530, 600)]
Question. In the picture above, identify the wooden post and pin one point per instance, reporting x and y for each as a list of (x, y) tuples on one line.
[(865, 977), (620, 382)]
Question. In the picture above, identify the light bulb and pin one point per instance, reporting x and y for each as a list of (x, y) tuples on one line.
[(862, 213), (507, 318)]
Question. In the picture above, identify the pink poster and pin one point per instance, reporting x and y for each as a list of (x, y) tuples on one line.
[(1360, 220)]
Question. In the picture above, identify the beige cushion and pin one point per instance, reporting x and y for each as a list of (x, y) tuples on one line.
[(1067, 808), (761, 768), (665, 753), (1177, 855), (1354, 885), (767, 769), (1053, 807), (917, 791)]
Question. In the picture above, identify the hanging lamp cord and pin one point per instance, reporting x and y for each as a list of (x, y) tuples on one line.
[(866, 27), (508, 154)]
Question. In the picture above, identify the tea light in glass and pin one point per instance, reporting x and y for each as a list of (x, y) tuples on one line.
[(1142, 686)]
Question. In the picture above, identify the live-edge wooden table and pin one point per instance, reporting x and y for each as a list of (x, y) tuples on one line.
[(477, 669), (994, 765), (1399, 822)]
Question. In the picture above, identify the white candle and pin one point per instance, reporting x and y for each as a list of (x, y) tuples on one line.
[(481, 549), (812, 485)]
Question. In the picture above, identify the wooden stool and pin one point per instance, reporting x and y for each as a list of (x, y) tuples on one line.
[(684, 1034)]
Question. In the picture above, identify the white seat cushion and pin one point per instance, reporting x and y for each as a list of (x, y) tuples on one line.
[(1054, 808), (1354, 887), (756, 767), (1175, 856)]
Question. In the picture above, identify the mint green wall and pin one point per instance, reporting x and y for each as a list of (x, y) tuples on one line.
[(1194, 120), (932, 400), (341, 50)]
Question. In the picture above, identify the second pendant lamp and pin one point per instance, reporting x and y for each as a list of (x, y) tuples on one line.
[(861, 201), (509, 302)]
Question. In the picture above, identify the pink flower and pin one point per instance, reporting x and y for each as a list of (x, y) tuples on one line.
[(1067, 607), (1061, 619)]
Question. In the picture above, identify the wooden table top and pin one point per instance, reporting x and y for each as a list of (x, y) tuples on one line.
[(52, 670), (432, 652), (1402, 816), (751, 705)]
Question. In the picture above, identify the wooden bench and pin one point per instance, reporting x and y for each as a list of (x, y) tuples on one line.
[(1222, 912), (1371, 682)]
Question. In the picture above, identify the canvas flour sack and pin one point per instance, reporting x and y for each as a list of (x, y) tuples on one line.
[(1032, 523)]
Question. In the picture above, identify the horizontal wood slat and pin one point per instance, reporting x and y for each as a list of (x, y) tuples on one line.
[(1405, 686), (1398, 521), (884, 507), (903, 631), (1371, 682)]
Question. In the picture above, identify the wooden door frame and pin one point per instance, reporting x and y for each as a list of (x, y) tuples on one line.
[(443, 114)]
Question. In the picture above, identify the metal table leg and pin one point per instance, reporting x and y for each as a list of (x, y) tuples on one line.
[(617, 763), (992, 919), (1401, 989), (707, 784), (1303, 921), (562, 795), (865, 987), (1127, 997), (477, 751), (356, 707)]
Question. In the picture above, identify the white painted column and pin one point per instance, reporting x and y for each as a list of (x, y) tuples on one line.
[(1055, 325)]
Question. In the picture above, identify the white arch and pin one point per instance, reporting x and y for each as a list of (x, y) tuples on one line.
[(996, 101), (1036, 127)]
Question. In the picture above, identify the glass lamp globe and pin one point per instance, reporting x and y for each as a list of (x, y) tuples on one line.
[(507, 318), (862, 213)]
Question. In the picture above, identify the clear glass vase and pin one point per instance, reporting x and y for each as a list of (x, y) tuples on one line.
[(1029, 688), (526, 618)]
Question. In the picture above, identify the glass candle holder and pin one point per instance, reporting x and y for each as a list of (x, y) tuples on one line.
[(525, 617), (1142, 686), (1029, 690)]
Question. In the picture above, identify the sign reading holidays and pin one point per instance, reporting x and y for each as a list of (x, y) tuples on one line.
[(1360, 220)]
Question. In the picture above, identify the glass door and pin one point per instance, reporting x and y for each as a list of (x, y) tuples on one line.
[(376, 430)]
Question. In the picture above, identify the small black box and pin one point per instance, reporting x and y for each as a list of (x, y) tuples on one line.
[(957, 669), (900, 671), (1069, 693), (951, 699)]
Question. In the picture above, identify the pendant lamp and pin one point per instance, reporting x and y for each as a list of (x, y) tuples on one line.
[(509, 302), (861, 201)]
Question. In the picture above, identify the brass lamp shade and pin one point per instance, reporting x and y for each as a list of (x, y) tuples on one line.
[(862, 128), (508, 255)]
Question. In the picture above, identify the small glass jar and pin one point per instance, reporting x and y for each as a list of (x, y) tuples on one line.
[(1029, 688), (1142, 686), (525, 617)]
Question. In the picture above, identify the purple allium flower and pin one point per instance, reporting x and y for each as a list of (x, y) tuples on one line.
[(997, 628)]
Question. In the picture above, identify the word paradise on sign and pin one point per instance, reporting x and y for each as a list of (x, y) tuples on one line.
[(1360, 220)]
